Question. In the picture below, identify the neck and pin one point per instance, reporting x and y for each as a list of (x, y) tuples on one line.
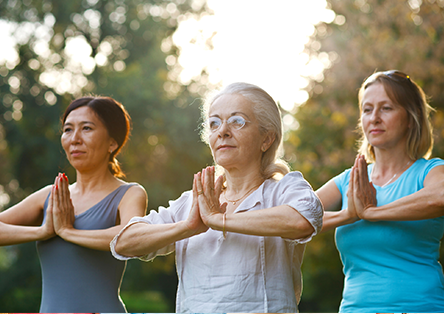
[(390, 161), (240, 183), (388, 167), (90, 181)]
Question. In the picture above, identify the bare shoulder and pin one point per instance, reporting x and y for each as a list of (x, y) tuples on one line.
[(137, 191), (39, 197), (135, 199)]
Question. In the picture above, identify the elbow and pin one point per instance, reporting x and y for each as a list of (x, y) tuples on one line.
[(123, 245), (299, 229)]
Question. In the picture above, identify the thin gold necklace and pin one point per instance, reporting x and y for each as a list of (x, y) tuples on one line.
[(405, 167), (235, 201)]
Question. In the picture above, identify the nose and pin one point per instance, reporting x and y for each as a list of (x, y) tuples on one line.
[(375, 117), (76, 137), (224, 129)]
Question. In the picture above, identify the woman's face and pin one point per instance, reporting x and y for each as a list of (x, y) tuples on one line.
[(86, 141), (385, 123), (231, 147)]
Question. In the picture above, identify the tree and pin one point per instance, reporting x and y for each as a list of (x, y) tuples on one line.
[(367, 35), (114, 48)]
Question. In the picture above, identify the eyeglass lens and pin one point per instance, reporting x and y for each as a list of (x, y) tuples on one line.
[(234, 122)]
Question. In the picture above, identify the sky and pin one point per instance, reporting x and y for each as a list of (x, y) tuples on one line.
[(255, 41)]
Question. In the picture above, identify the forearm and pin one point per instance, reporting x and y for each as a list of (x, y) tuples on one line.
[(282, 221), (334, 219), (94, 239), (424, 204), (141, 238), (12, 234)]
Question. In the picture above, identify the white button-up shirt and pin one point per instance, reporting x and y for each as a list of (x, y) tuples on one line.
[(241, 273)]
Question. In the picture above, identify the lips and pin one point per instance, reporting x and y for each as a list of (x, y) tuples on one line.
[(76, 153), (222, 147), (376, 131)]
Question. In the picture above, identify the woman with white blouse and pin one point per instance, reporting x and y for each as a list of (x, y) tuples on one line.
[(239, 239)]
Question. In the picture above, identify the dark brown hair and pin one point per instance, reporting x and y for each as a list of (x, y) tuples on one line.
[(115, 118)]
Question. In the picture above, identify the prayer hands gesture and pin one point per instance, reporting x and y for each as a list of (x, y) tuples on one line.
[(206, 193), (361, 193), (60, 205)]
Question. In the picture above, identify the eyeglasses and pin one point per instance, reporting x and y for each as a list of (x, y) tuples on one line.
[(233, 122), (393, 74)]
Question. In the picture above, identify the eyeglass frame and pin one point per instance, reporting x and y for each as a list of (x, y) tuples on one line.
[(393, 74), (206, 124)]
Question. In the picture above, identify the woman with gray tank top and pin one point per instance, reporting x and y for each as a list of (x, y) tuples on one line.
[(78, 221)]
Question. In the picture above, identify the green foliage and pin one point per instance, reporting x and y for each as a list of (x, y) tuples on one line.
[(377, 35), (163, 152)]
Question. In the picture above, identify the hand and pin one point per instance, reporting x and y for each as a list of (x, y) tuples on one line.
[(351, 209), (364, 193), (48, 227), (63, 209), (194, 221), (210, 191)]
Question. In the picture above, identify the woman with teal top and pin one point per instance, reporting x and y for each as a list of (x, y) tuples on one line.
[(389, 215), (79, 220)]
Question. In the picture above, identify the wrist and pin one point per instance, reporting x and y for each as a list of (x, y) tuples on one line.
[(64, 232), (216, 221), (367, 212), (42, 233), (350, 217)]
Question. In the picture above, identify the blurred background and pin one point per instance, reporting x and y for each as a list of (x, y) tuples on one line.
[(160, 58)]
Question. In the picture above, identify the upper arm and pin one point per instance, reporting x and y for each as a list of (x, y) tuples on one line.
[(435, 176), (330, 196), (133, 203), (29, 212), (434, 183)]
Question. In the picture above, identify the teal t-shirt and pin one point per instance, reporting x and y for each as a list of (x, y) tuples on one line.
[(392, 266)]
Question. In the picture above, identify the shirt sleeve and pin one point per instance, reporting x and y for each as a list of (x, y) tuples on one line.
[(172, 214), (342, 181), (429, 165), (297, 193)]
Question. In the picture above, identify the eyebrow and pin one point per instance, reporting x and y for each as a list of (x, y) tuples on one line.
[(81, 123), (235, 113)]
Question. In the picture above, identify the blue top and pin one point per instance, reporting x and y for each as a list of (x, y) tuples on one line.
[(392, 266), (77, 279)]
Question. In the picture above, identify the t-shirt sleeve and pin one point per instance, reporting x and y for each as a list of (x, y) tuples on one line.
[(294, 191), (429, 165), (162, 216), (342, 181)]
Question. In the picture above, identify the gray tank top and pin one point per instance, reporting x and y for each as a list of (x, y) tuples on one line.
[(77, 279)]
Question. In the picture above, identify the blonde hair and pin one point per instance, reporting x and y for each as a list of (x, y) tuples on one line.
[(268, 117), (406, 93)]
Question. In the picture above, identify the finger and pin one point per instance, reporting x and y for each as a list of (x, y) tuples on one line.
[(352, 180), (199, 184), (55, 203), (218, 187), (50, 201), (65, 191), (212, 183), (208, 185), (363, 173), (223, 207)]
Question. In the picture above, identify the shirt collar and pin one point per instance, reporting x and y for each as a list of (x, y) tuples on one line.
[(257, 197)]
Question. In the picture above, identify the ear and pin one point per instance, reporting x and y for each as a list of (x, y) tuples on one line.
[(269, 139), (112, 145)]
